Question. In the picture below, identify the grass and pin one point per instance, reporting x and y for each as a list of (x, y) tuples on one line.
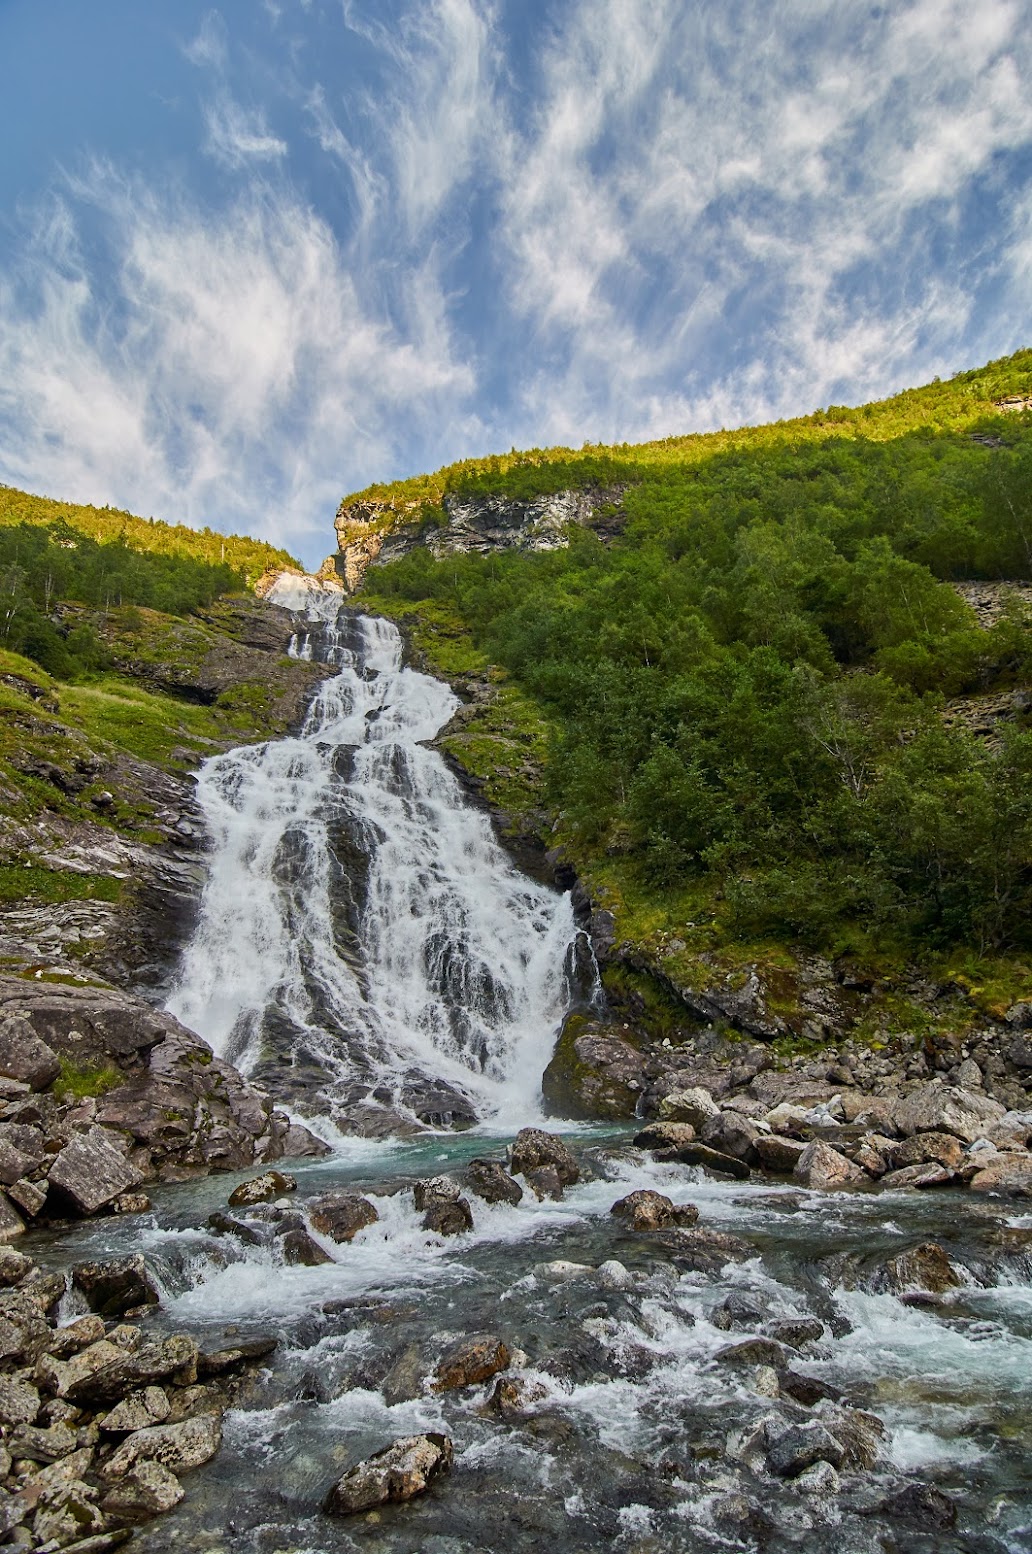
[(78, 1081), (146, 724), (33, 885)]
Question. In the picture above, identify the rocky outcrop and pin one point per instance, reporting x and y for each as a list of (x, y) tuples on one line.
[(370, 532), (116, 1095)]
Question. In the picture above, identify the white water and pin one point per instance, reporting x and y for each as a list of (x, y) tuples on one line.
[(458, 968)]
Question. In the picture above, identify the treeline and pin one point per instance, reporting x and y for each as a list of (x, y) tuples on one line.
[(246, 557), (41, 567), (749, 682)]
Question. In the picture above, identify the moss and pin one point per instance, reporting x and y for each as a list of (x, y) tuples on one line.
[(77, 1081), (31, 884)]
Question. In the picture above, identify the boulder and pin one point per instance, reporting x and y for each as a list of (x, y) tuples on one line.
[(534, 1150), (754, 1351), (733, 1135), (19, 1401), (514, 1397), (910, 1177), (138, 1411), (924, 1267), (695, 1106), (216, 1362), (796, 1331), (923, 1148), (645, 1210), (938, 1108), (448, 1216), (399, 1472), (149, 1489), (300, 1250), (31, 1196), (800, 1446), (178, 1447), (665, 1135), (923, 1505), (861, 1435), (76, 1335), (1005, 1176), (159, 1360), (786, 1118), (776, 1153), (262, 1189), (595, 1072), (114, 1287), (11, 1223), (823, 1168), (489, 1180), (14, 1266), (470, 1361), (737, 1310), (545, 1182), (24, 1055), (714, 1160), (706, 1251), (341, 1216), (90, 1171)]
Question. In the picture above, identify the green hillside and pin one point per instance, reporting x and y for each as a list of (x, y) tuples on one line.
[(771, 719)]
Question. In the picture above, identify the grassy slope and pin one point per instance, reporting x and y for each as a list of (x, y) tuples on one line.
[(682, 929)]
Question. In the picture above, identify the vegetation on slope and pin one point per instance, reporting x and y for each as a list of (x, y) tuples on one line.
[(747, 686)]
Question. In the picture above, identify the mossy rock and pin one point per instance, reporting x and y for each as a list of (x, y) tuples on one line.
[(596, 1072)]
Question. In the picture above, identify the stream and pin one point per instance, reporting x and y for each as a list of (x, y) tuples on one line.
[(367, 948)]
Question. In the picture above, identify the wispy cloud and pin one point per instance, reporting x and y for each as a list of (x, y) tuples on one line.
[(237, 136)]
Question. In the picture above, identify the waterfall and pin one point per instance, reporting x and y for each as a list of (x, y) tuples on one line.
[(363, 941)]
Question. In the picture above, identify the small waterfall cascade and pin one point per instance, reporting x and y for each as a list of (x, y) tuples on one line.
[(364, 943)]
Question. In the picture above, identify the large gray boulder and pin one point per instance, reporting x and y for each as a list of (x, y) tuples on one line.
[(938, 1108), (399, 1472), (92, 1172), (824, 1168)]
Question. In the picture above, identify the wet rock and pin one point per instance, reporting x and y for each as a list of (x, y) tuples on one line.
[(514, 1397), (138, 1411), (534, 1150), (938, 1108), (342, 1215), (823, 1168), (821, 1481), (149, 1489), (645, 1210), (860, 1434), (925, 1148), (489, 1180), (402, 1470), (173, 1358), (923, 1267), (14, 1266), (595, 1072), (131, 1203), (471, 1361), (435, 1187), (776, 1153), (262, 1189), (403, 1383), (11, 1223), (225, 1224), (1006, 1176), (300, 1250), (743, 1519), (714, 1160), (216, 1362), (448, 1216), (796, 1331), (737, 1310), (807, 1390), (111, 1288), (24, 1056), (800, 1446), (754, 1351), (91, 1172), (694, 1106), (612, 1275), (545, 1182), (665, 1135), (923, 1506), (911, 1177), (706, 1251), (178, 1447)]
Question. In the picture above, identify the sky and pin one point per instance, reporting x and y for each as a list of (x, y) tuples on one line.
[(256, 256)]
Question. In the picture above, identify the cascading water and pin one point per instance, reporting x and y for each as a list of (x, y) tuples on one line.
[(360, 925)]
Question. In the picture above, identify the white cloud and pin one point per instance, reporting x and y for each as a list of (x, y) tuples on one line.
[(237, 137), (208, 49)]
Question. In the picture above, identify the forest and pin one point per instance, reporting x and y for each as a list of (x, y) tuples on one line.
[(751, 687)]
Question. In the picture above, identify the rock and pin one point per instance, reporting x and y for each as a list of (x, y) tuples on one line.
[(131, 1203), (823, 1168), (800, 1446), (91, 1172), (300, 1250), (544, 1183), (776, 1153), (796, 1331), (613, 1275), (939, 1108), (63, 1518), (42, 1445), (754, 1351), (594, 1073), (1019, 1018), (225, 1224), (645, 1210), (402, 1470), (707, 1251), (149, 1489), (173, 1358), (806, 1389), (786, 1118), (19, 1401), (969, 1075), (665, 1135), (13, 1163), (923, 1267), (61, 1376), (860, 1434), (923, 1505), (433, 1188), (403, 1383), (138, 1411), (76, 1335), (694, 1106), (178, 1447), (448, 1216), (489, 1180), (714, 1160), (29, 1196), (117, 1286), (341, 1216), (821, 1481), (217, 1361), (734, 1135), (470, 1361), (262, 1189), (534, 1150), (737, 1310), (11, 1224), (25, 1056), (514, 1397), (14, 1266), (910, 1177), (925, 1148), (1006, 1176)]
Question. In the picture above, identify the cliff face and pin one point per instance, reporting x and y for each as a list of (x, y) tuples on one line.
[(371, 533)]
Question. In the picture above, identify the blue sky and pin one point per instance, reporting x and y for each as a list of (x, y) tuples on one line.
[(256, 256)]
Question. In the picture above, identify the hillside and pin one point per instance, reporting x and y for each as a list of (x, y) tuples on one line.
[(738, 680)]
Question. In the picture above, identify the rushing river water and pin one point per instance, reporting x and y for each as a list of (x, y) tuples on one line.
[(453, 967)]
